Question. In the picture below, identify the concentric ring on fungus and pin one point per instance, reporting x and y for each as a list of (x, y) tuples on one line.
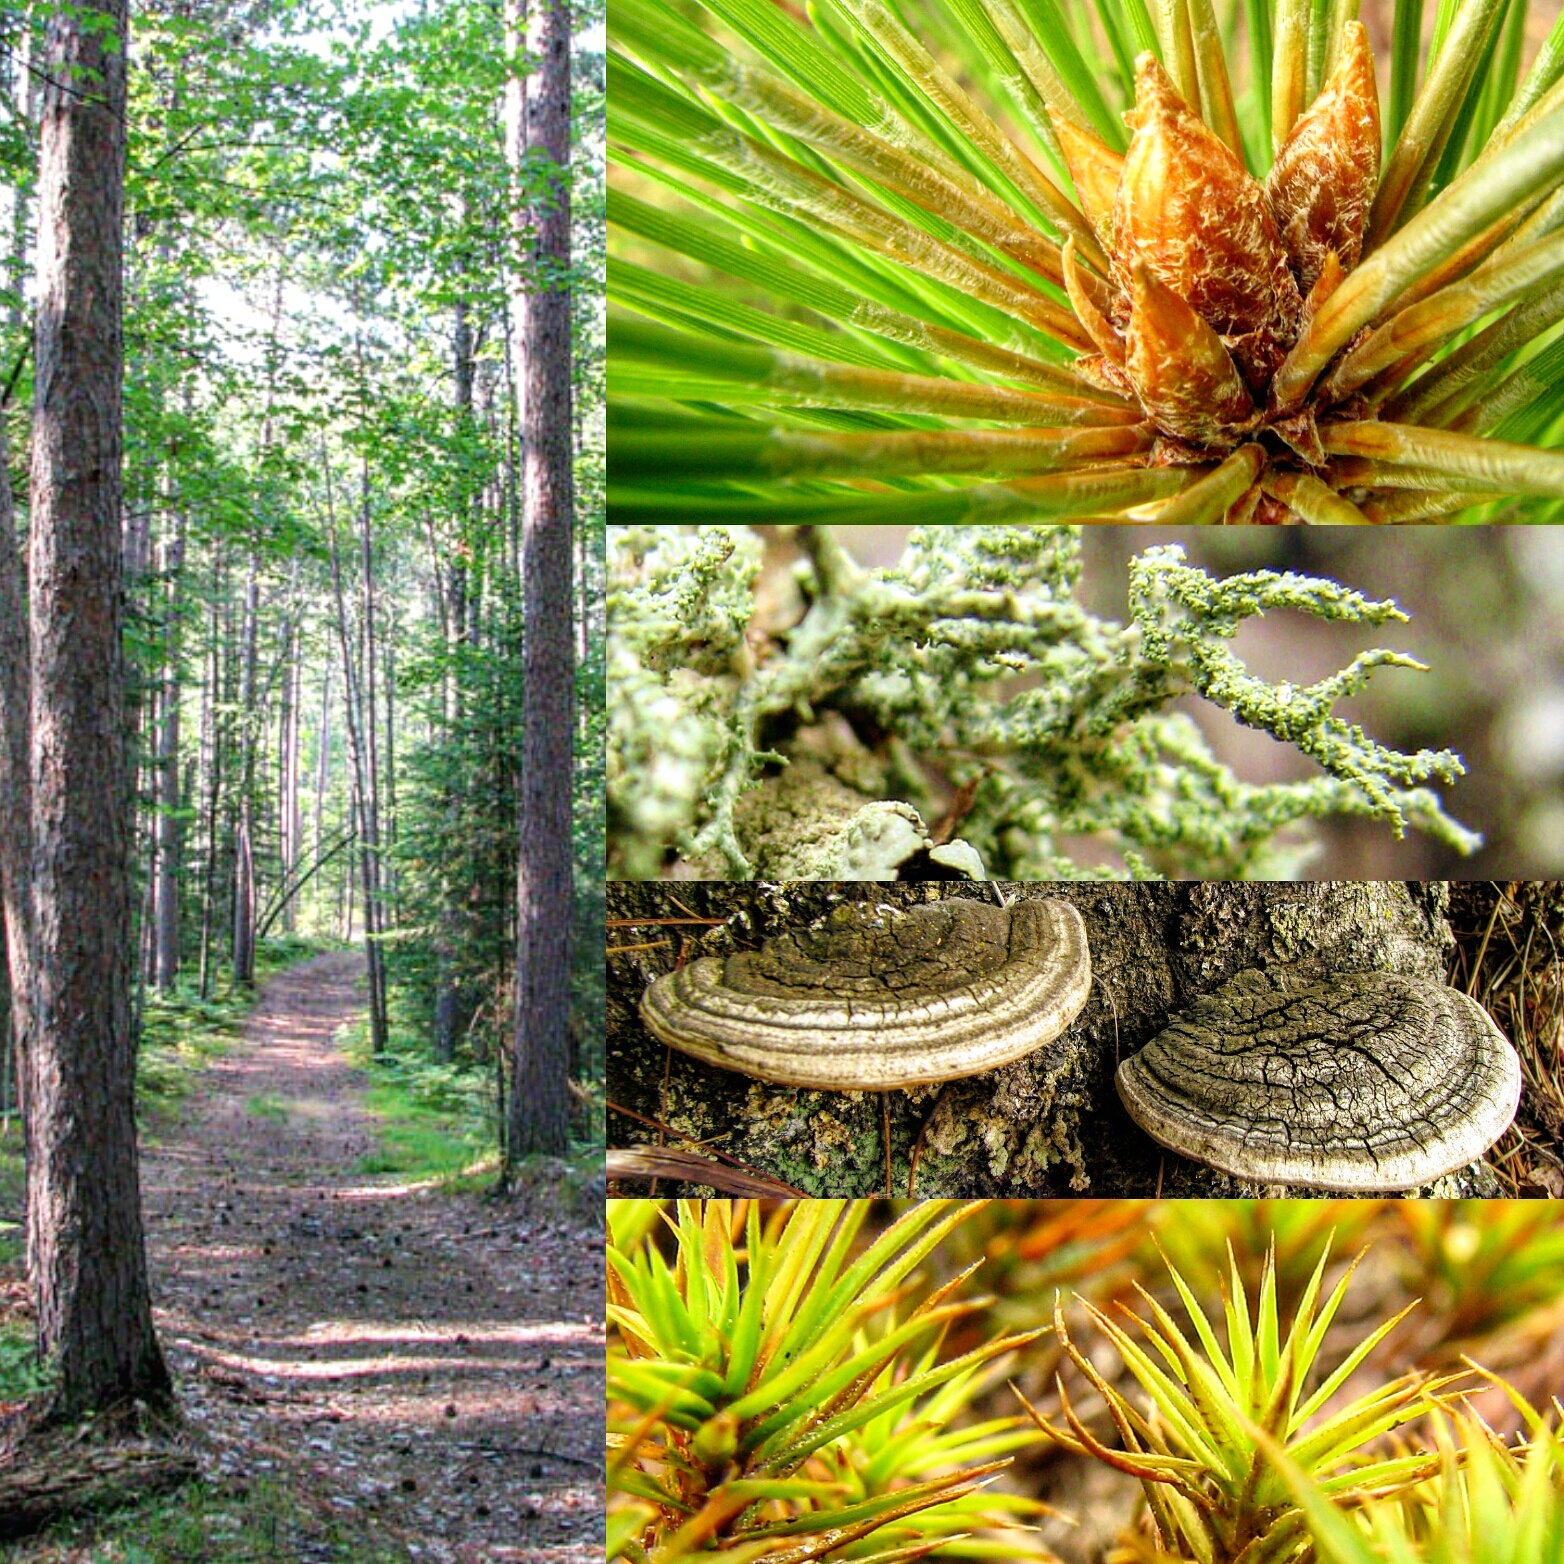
[(1365, 1081), (879, 998)]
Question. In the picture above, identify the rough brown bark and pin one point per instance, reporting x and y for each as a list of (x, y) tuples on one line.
[(85, 1254), (538, 140), (1049, 1124), (15, 766), (169, 837)]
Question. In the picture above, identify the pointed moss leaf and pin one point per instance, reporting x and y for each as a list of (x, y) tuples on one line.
[(1348, 1366)]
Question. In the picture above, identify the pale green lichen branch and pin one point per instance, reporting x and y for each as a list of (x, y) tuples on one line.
[(1167, 596), (971, 665)]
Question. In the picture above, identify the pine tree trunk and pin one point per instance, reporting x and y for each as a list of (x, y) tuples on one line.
[(369, 721), (288, 845), (169, 835), (353, 708), (1048, 1125), (452, 602), (15, 766), (213, 743), (243, 927), (322, 761), (86, 1259), (388, 860), (538, 137)]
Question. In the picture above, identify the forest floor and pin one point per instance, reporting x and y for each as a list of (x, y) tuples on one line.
[(399, 1371)]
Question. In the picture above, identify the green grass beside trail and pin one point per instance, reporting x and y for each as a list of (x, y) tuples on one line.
[(431, 1120), (245, 1520), (267, 1106), (438, 1121)]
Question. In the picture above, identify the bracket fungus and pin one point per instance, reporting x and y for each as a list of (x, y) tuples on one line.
[(1364, 1081), (879, 998)]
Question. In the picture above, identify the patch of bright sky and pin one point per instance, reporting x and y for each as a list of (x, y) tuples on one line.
[(240, 321), (382, 15)]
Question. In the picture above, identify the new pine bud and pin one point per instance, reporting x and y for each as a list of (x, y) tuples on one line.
[(1197, 219), (1322, 183)]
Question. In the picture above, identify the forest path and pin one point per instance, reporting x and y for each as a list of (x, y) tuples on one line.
[(429, 1366)]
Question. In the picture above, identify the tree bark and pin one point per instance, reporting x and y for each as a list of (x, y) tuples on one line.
[(538, 140), (168, 833), (322, 758), (86, 1258), (354, 712), (15, 768), (214, 730), (243, 923), (452, 604), (369, 719), (1048, 1125), (289, 825)]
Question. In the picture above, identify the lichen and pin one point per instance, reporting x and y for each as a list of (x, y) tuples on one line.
[(974, 674), (806, 825)]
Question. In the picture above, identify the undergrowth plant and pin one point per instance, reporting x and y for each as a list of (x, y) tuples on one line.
[(769, 1401), (1209, 1237), (772, 1397), (984, 692), (945, 260)]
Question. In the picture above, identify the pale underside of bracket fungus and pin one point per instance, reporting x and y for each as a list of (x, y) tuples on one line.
[(878, 998), (1365, 1081)]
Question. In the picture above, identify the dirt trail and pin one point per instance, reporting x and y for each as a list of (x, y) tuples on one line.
[(428, 1365)]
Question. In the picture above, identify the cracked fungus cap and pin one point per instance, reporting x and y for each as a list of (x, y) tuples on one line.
[(1367, 1081), (879, 998)]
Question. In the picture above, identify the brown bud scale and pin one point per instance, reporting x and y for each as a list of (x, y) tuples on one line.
[(1198, 219), (1322, 183)]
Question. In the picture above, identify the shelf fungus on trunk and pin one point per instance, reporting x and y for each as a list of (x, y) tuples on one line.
[(1365, 1081), (879, 999)]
